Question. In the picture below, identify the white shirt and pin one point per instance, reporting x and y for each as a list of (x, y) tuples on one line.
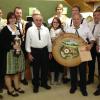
[(55, 33), (96, 30), (3, 22), (32, 39), (83, 32), (12, 31), (69, 23), (62, 19), (21, 23)]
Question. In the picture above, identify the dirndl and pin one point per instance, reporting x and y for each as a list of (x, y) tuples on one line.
[(15, 64)]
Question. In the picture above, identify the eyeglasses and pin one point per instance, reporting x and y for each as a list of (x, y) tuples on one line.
[(55, 22)]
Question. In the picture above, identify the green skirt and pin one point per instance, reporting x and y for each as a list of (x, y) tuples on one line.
[(15, 64)]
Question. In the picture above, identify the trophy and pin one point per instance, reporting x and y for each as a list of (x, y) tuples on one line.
[(17, 43)]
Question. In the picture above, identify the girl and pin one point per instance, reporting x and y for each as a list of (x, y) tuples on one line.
[(56, 69)]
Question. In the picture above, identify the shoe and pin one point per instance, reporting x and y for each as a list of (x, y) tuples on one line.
[(24, 81), (19, 90), (36, 90), (72, 90), (46, 87), (89, 82), (1, 97), (97, 92), (84, 92), (13, 93)]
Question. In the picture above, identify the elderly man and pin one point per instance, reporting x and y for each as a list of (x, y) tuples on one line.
[(84, 33), (28, 25), (75, 10), (38, 47)]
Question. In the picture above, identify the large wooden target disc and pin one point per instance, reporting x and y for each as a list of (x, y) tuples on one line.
[(65, 49)]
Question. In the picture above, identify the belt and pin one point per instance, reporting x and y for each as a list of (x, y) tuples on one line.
[(40, 49)]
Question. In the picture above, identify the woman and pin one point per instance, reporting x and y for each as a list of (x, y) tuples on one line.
[(13, 56), (56, 69)]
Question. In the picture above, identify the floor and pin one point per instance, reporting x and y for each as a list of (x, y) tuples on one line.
[(58, 92)]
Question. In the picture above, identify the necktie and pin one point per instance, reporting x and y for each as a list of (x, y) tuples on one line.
[(39, 34), (76, 32), (19, 27), (93, 29)]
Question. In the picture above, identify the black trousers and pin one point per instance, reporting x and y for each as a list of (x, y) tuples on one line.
[(40, 63), (91, 64), (2, 69), (82, 74), (56, 68)]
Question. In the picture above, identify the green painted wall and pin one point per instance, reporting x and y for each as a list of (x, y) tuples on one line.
[(47, 7)]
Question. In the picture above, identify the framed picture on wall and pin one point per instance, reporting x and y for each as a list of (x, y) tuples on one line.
[(65, 10), (31, 9)]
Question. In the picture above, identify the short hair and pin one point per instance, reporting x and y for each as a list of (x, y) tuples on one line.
[(77, 6), (10, 15), (17, 8), (97, 10), (36, 12), (60, 5), (38, 15), (78, 15)]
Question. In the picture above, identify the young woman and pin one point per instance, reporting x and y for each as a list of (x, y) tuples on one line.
[(13, 57), (56, 69)]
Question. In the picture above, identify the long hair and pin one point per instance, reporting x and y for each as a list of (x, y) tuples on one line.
[(58, 20)]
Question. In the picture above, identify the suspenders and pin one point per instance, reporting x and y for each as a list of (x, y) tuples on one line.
[(81, 21)]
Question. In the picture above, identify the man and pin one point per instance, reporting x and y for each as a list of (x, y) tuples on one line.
[(59, 14), (84, 33), (95, 30), (38, 44), (75, 10), (21, 27), (28, 25)]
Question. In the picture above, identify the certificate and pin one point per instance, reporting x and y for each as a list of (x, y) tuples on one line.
[(85, 55)]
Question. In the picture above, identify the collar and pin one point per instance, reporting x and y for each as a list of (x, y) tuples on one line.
[(77, 27), (20, 21), (42, 26), (13, 32)]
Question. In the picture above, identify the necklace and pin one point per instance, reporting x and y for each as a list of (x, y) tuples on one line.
[(13, 27)]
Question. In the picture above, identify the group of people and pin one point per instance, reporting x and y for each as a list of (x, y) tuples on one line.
[(21, 40)]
